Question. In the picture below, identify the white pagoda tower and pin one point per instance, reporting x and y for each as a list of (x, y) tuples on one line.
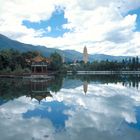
[(85, 55)]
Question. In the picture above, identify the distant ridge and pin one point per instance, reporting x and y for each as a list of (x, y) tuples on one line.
[(70, 55)]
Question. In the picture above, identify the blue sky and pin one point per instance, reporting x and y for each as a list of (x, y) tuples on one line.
[(72, 24), (137, 12), (55, 22)]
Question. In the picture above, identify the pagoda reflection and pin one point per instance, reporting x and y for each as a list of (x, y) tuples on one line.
[(39, 89), (85, 87)]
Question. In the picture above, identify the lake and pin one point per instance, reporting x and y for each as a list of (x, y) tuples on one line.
[(98, 107)]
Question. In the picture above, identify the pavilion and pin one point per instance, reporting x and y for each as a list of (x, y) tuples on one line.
[(39, 64)]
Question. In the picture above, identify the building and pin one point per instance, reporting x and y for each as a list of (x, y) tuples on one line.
[(85, 55), (63, 58), (39, 64)]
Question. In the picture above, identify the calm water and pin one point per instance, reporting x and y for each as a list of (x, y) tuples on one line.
[(70, 108)]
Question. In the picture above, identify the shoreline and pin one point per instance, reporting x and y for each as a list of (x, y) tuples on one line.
[(35, 75), (104, 72), (28, 75)]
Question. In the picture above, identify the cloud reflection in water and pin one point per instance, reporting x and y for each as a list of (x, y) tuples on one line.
[(105, 112)]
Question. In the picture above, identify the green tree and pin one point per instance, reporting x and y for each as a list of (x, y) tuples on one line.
[(56, 61), (137, 63)]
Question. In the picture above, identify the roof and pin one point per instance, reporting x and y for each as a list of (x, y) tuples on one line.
[(47, 60), (40, 96), (38, 59)]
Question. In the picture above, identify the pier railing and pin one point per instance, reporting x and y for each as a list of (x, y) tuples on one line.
[(105, 72)]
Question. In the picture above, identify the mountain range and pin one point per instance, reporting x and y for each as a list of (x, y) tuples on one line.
[(70, 55)]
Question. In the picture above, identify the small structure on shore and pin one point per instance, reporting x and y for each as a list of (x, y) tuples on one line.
[(39, 64)]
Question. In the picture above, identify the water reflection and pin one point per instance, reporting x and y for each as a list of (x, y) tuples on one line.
[(59, 109), (39, 89), (125, 80), (85, 87)]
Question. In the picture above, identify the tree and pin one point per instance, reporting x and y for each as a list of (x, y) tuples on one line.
[(137, 63), (133, 63), (56, 61)]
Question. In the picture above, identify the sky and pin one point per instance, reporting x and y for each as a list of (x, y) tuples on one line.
[(105, 26)]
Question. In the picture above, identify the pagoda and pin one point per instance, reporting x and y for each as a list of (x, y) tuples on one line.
[(85, 55)]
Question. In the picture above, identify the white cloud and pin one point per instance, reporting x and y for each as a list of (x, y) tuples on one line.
[(49, 29), (102, 25), (12, 121)]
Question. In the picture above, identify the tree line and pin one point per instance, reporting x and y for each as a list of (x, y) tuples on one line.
[(15, 62), (128, 64)]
